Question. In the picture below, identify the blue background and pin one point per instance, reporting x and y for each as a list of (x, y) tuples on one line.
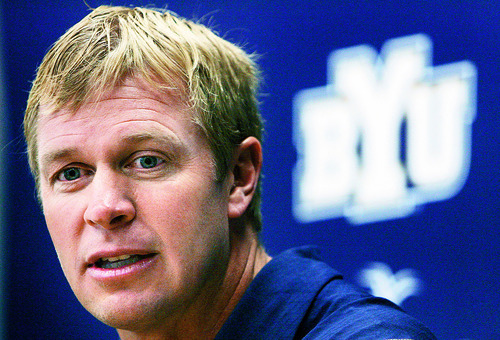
[(453, 245)]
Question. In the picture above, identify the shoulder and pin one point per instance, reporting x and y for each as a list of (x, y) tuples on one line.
[(298, 296), (341, 310)]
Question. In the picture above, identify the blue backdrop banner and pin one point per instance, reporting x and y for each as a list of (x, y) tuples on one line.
[(382, 148)]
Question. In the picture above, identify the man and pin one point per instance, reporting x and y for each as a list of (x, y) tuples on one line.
[(143, 135)]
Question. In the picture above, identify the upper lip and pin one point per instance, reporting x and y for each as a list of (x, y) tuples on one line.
[(94, 257)]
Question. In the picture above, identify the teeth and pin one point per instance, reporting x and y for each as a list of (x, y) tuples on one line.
[(117, 258), (119, 261)]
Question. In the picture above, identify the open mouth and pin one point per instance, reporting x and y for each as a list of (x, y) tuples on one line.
[(119, 261)]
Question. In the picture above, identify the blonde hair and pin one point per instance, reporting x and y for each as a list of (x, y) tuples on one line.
[(215, 77)]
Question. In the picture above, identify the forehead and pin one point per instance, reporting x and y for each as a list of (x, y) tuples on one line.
[(134, 95), (134, 107), (132, 89)]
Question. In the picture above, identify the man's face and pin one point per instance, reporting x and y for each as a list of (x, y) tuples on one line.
[(130, 200)]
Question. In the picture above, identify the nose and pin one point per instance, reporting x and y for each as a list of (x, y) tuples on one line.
[(109, 204)]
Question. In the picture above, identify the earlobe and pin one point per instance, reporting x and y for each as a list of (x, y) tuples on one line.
[(247, 164)]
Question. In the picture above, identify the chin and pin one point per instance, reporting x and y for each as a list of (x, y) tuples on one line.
[(130, 314), (132, 318)]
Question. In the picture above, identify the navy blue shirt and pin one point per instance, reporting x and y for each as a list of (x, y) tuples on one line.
[(297, 296)]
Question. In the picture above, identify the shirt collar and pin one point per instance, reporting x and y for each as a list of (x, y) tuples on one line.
[(278, 298)]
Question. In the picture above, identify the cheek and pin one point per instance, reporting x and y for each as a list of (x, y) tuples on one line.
[(185, 203), (192, 219), (63, 221)]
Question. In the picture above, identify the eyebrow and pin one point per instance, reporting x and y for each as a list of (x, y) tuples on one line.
[(137, 138), (54, 156), (132, 139)]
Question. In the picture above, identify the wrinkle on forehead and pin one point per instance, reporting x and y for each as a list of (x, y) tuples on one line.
[(132, 88)]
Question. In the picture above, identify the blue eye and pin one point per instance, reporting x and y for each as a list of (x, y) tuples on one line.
[(70, 174), (148, 162)]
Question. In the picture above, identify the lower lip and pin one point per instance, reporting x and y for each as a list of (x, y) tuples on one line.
[(121, 273)]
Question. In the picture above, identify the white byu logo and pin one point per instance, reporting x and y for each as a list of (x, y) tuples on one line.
[(395, 287), (386, 134)]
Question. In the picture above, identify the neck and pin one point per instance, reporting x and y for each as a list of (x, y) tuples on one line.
[(254, 260), (247, 257)]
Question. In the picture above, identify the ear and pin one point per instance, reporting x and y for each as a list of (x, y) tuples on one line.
[(247, 163)]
